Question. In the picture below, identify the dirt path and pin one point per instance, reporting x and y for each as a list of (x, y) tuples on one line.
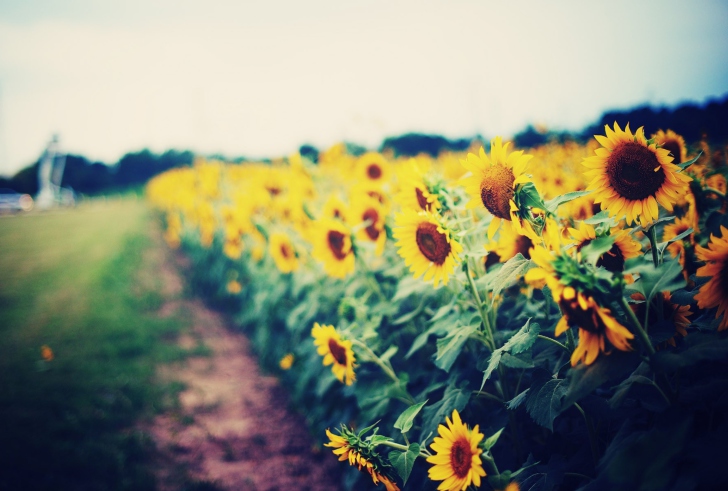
[(232, 429)]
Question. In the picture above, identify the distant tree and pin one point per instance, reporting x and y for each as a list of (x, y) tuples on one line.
[(411, 144), (309, 152), (26, 180)]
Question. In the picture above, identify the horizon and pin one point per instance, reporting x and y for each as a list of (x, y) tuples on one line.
[(261, 80)]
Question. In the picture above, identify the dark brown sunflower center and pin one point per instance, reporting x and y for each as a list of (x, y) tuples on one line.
[(371, 230), (421, 200), (496, 190), (673, 146), (524, 245), (586, 319), (612, 260), (336, 244), (433, 244), (631, 171), (374, 171), (338, 352), (273, 190), (286, 251), (461, 457)]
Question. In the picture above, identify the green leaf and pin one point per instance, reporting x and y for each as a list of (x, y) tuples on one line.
[(667, 277), (449, 347), (518, 400), (518, 343), (511, 270), (491, 440), (596, 248), (435, 414), (553, 204), (407, 418), (545, 401), (698, 348), (661, 246), (403, 461), (517, 361), (599, 218), (685, 165), (583, 379), (422, 338), (528, 196)]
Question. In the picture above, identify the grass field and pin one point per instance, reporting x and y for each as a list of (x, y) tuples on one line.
[(82, 282)]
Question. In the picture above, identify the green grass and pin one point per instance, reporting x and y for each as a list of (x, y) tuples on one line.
[(82, 282)]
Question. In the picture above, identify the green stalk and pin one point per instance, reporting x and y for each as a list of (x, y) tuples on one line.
[(644, 339), (485, 456), (483, 315), (397, 446), (552, 340), (592, 434), (652, 235), (384, 366)]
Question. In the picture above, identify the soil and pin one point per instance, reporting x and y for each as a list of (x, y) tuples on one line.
[(232, 428)]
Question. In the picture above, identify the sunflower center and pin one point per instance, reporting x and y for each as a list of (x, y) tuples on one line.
[(421, 200), (586, 319), (524, 245), (286, 251), (338, 352), (612, 260), (496, 190), (336, 244), (371, 230), (674, 148), (374, 171), (433, 244), (461, 457), (631, 171)]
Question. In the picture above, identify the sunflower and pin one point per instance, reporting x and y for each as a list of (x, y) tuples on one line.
[(283, 252), (671, 312), (345, 450), (372, 166), (332, 246), (413, 192), (286, 362), (493, 181), (233, 287), (426, 246), (335, 208), (370, 210), (630, 176), (457, 456), (336, 352), (673, 143), (715, 292), (579, 309), (624, 247), (595, 324)]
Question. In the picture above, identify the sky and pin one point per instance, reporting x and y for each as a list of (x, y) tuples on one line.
[(259, 79)]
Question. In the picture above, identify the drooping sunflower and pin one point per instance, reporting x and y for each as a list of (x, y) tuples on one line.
[(631, 176), (457, 460), (336, 352), (715, 292), (283, 252), (673, 143), (578, 308), (493, 182), (624, 247), (426, 246), (359, 455), (332, 246)]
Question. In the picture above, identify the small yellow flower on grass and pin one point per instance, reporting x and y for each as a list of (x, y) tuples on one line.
[(234, 287), (46, 353), (287, 361), (457, 456), (336, 352)]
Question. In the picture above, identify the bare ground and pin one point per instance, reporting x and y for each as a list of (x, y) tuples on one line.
[(231, 428)]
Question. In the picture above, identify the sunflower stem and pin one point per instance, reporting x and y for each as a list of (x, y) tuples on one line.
[(570, 341), (483, 315), (487, 395), (491, 462), (371, 281), (552, 340), (402, 448), (645, 340), (385, 368), (592, 434), (714, 191), (652, 235)]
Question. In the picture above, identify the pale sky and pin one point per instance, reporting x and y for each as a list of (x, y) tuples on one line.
[(261, 78)]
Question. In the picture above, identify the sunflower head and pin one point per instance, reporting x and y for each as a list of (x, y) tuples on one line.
[(332, 246), (623, 248), (336, 352), (368, 214), (372, 166), (359, 451), (492, 181), (456, 461), (673, 143), (426, 246), (283, 252), (631, 175), (715, 292)]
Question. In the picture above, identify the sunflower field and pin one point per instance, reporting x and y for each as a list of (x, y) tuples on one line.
[(546, 318)]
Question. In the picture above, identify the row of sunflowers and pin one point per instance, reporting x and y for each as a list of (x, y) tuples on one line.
[(545, 319)]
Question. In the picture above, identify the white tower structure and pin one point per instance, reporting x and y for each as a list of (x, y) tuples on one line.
[(50, 174)]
